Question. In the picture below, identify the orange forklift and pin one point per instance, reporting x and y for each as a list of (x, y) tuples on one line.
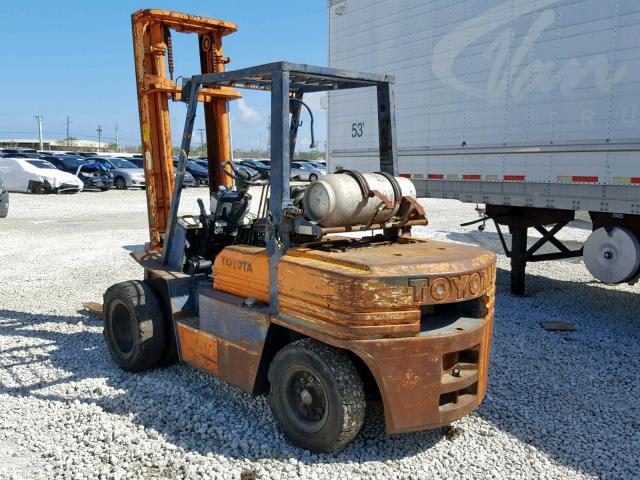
[(266, 288)]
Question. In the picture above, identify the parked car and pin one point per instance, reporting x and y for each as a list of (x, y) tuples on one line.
[(17, 150), (67, 163), (198, 172), (306, 171), (316, 163), (4, 198), (37, 176), (88, 154), (96, 173), (238, 166), (245, 169), (258, 165), (21, 155), (188, 179), (125, 173), (91, 175)]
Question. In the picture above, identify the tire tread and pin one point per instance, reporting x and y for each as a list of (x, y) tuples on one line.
[(150, 318), (349, 383)]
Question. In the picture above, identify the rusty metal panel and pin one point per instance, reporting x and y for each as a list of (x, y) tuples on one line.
[(183, 22), (153, 109), (228, 339), (426, 380), (198, 348), (414, 383), (368, 292), (243, 271), (151, 45), (226, 316), (216, 116)]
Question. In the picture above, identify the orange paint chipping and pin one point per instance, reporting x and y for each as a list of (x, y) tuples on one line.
[(361, 293)]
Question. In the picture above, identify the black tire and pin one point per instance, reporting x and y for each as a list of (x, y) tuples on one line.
[(331, 412), (120, 183), (134, 326), (104, 189), (36, 187), (313, 177)]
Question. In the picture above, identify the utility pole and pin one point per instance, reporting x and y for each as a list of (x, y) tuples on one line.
[(99, 130), (68, 123), (39, 120), (117, 143), (201, 130)]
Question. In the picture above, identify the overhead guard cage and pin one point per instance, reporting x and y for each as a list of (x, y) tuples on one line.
[(285, 81)]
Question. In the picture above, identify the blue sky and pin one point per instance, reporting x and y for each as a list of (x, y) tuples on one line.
[(75, 58)]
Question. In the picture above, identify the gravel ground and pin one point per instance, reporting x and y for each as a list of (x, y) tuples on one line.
[(559, 405)]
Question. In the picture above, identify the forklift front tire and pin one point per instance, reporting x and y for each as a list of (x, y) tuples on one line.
[(134, 326), (316, 395)]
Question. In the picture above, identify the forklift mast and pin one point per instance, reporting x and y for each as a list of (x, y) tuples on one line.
[(153, 56)]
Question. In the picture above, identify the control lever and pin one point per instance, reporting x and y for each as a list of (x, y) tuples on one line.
[(203, 211), (205, 221)]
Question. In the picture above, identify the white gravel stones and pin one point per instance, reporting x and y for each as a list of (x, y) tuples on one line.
[(559, 405)]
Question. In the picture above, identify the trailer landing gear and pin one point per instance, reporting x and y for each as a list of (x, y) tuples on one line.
[(519, 220)]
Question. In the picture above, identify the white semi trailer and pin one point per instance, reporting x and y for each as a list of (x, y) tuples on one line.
[(531, 107)]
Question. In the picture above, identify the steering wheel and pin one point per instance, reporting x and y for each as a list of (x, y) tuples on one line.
[(245, 177)]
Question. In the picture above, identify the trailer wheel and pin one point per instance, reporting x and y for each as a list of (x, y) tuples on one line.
[(316, 395), (134, 326)]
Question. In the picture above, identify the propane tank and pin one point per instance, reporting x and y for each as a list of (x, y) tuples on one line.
[(337, 200), (612, 254)]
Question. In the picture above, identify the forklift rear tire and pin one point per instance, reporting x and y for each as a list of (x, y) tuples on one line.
[(316, 395), (134, 326)]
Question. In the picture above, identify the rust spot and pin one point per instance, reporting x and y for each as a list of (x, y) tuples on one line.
[(411, 378)]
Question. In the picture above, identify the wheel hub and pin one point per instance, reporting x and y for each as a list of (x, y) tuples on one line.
[(305, 397), (308, 399), (612, 255)]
